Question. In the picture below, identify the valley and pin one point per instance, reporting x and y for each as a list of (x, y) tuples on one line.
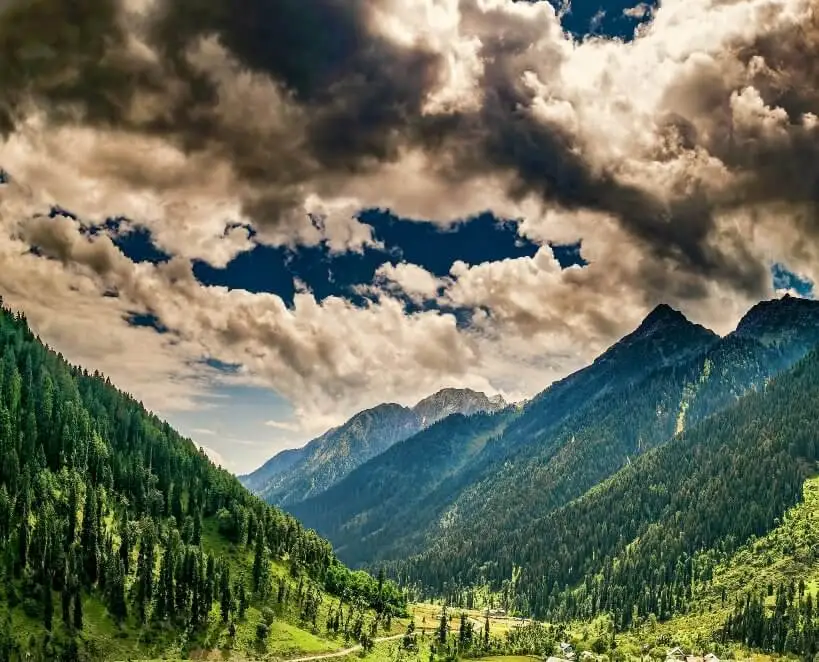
[(633, 507)]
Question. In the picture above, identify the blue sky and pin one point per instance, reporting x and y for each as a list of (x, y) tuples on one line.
[(258, 245), (241, 422)]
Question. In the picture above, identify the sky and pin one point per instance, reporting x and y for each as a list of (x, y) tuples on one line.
[(261, 222)]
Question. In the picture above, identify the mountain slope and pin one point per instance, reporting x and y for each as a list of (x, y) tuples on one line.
[(663, 337), (392, 496), (275, 466), (628, 545), (294, 475), (575, 434), (121, 539)]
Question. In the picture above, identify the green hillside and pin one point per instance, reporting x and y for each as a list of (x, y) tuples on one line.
[(786, 559), (638, 546), (119, 539), (462, 505)]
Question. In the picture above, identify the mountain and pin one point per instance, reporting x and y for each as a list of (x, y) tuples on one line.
[(665, 377), (121, 540), (448, 401), (275, 466), (395, 495), (663, 337), (294, 475)]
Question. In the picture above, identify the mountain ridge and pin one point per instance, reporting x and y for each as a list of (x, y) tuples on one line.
[(294, 475), (567, 439)]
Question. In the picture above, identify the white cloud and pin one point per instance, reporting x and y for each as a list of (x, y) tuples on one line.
[(414, 281), (647, 117), (286, 426)]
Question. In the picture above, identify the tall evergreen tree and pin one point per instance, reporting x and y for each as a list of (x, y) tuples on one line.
[(90, 537), (226, 597)]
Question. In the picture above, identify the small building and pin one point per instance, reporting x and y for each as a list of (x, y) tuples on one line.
[(567, 651), (711, 658), (675, 653)]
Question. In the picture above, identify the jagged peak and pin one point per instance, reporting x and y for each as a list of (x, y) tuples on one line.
[(450, 391), (663, 314), (455, 400)]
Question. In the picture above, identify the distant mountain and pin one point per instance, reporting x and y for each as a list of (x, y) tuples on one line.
[(275, 466), (663, 378), (383, 508), (294, 475), (455, 401)]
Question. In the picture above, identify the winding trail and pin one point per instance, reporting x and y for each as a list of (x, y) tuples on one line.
[(343, 652)]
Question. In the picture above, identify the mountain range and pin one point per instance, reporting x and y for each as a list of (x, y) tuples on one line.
[(297, 474), (466, 501)]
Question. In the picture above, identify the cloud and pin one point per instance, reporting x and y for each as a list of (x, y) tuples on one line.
[(639, 11), (685, 159), (410, 279), (286, 426), (266, 116)]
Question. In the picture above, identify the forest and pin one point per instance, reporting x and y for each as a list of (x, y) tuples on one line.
[(98, 497), (638, 545)]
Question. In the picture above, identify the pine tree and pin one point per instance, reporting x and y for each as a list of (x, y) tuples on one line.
[(165, 586), (145, 570), (242, 597), (48, 603), (78, 615), (258, 563), (197, 528), (442, 627), (125, 545), (116, 590), (226, 599), (90, 538)]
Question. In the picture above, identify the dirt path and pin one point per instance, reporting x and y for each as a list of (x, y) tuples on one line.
[(343, 652)]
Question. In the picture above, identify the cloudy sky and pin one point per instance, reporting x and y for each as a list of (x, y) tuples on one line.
[(261, 217)]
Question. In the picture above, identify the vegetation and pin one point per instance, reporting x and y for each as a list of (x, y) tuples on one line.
[(471, 503), (115, 529)]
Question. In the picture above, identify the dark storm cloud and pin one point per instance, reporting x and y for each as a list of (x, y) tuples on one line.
[(358, 97)]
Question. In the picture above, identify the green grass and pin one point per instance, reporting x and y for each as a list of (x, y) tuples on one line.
[(288, 637)]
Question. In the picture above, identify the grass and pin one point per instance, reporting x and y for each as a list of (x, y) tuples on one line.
[(288, 637), (427, 617)]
